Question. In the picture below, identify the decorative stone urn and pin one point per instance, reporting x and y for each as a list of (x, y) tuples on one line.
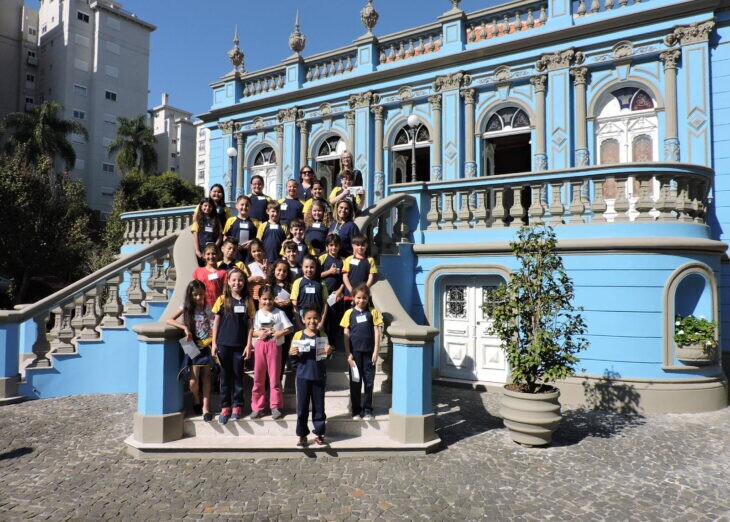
[(531, 418), (697, 354)]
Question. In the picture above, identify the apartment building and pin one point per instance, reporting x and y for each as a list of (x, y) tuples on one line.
[(175, 133), (18, 56)]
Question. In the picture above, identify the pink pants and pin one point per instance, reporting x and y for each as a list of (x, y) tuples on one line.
[(267, 361)]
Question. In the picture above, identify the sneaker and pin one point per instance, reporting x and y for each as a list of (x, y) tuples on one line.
[(319, 440), (207, 416), (356, 416), (255, 414), (198, 409), (224, 416), (276, 413), (302, 442), (369, 416), (236, 413)]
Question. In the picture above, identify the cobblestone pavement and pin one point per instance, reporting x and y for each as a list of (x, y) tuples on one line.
[(65, 459)]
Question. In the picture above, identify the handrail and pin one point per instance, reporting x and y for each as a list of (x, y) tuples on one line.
[(87, 283)]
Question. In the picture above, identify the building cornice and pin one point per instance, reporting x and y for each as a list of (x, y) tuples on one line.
[(531, 39), (131, 17)]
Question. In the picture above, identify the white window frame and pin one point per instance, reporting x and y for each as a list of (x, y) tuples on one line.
[(110, 95), (78, 88), (79, 114)]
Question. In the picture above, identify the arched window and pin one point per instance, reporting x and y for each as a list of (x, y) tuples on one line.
[(328, 160), (506, 144), (626, 127), (264, 165), (402, 149)]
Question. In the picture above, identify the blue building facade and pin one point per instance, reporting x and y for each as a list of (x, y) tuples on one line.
[(604, 119)]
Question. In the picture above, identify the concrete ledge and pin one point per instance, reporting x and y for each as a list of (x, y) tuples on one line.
[(151, 429), (412, 429), (9, 391)]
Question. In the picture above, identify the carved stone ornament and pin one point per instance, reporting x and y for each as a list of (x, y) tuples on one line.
[(363, 99), (539, 82), (297, 40), (350, 117), (405, 93), (501, 74), (258, 123), (235, 55), (378, 111), (623, 49), (455, 3), (468, 95), (229, 127), (279, 132), (695, 32), (435, 101), (290, 114), (451, 81), (303, 126), (580, 75), (670, 58), (369, 17), (559, 60), (325, 109)]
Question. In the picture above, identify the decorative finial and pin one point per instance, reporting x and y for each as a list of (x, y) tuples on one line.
[(455, 3), (369, 17), (235, 55), (297, 40)]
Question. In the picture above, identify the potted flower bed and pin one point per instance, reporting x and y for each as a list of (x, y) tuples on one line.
[(696, 340), (541, 332)]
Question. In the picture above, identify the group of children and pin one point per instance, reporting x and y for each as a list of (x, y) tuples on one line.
[(281, 282)]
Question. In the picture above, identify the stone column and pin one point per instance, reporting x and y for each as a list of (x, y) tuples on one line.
[(580, 77), (470, 165), (671, 136), (435, 101), (240, 146), (10, 336), (303, 142), (449, 87), (280, 163), (379, 185), (350, 119), (539, 84)]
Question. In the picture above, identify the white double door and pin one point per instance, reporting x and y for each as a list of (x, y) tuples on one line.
[(468, 351)]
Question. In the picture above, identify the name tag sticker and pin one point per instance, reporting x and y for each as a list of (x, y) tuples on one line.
[(273, 226), (209, 228), (354, 261), (316, 225), (284, 206), (261, 198), (212, 276), (300, 247), (361, 318), (244, 225), (239, 309), (309, 290)]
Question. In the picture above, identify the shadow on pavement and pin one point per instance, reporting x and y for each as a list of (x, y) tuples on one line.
[(461, 413), (14, 454)]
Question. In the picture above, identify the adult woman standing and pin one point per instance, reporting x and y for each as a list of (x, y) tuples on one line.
[(306, 178), (346, 163), (344, 226)]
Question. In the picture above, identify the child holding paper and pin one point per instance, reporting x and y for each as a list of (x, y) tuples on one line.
[(197, 323), (310, 350), (362, 338)]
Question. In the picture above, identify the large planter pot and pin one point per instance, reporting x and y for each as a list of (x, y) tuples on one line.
[(531, 418), (697, 354)]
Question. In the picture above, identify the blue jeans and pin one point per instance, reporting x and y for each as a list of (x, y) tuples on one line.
[(231, 376)]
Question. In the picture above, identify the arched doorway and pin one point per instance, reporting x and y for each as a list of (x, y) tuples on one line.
[(328, 160), (402, 152), (264, 165), (506, 146)]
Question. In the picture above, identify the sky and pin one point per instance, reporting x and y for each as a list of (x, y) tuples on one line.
[(188, 48)]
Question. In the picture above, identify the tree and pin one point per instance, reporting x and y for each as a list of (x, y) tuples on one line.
[(134, 145), (45, 221), (41, 134)]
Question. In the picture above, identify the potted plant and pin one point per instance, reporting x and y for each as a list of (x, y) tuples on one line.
[(696, 340), (541, 332)]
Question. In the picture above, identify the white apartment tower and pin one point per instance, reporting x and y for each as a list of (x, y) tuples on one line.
[(94, 60), (175, 134), (18, 56)]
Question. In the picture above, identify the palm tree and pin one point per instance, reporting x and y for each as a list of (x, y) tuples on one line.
[(134, 145), (41, 133)]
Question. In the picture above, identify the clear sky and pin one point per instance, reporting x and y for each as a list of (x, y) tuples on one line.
[(188, 49)]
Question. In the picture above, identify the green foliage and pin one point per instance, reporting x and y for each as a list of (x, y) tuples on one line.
[(695, 330), (533, 315), (41, 134), (134, 145), (45, 223)]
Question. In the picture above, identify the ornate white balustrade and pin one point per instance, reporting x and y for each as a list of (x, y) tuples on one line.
[(495, 22), (263, 82), (320, 69), (145, 226), (646, 193), (403, 47), (589, 7)]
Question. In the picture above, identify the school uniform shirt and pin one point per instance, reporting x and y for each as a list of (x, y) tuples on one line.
[(214, 282), (309, 292), (359, 269), (325, 203), (291, 209), (241, 230), (304, 193), (362, 324), (334, 281), (277, 320), (208, 234), (233, 327), (295, 272), (303, 249), (346, 231), (234, 264), (308, 368), (222, 213), (315, 235), (258, 207), (355, 199), (272, 235), (356, 179)]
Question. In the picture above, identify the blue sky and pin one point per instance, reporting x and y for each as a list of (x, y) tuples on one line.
[(188, 49)]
